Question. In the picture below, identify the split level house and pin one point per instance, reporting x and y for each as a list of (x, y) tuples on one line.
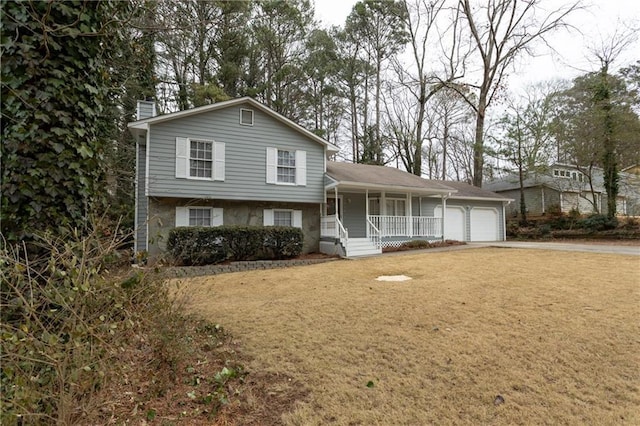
[(238, 162), (564, 187)]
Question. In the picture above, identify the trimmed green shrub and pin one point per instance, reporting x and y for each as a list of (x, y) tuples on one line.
[(598, 222), (206, 246), (197, 245), (244, 242), (282, 242)]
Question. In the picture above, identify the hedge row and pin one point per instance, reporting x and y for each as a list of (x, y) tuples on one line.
[(206, 246)]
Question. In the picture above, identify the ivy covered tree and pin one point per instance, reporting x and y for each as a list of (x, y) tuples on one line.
[(55, 97)]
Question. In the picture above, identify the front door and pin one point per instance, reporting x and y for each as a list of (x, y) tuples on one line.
[(333, 207)]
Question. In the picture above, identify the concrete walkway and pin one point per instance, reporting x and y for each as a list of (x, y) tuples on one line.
[(588, 248)]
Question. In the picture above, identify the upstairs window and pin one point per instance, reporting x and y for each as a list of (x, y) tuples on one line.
[(286, 167), (246, 117), (200, 159)]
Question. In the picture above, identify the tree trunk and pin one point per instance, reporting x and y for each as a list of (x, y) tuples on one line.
[(478, 146)]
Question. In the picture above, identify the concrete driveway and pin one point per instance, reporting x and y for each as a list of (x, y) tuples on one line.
[(589, 248)]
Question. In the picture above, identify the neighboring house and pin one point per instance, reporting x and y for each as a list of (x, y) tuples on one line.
[(240, 163), (566, 188)]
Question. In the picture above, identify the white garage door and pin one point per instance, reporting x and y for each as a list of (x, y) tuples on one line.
[(454, 223), (484, 224)]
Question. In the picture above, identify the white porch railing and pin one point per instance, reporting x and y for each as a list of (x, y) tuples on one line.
[(330, 226), (374, 234), (407, 226)]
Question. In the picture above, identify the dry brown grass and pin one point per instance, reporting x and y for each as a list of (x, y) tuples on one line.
[(557, 335)]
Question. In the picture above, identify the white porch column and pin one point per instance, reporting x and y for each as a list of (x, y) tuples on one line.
[(383, 212), (444, 214), (544, 210), (366, 209), (335, 191), (410, 217), (504, 219)]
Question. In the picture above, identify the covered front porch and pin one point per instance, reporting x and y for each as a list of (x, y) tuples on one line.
[(365, 220)]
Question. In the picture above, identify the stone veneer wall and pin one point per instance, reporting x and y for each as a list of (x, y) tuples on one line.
[(162, 217)]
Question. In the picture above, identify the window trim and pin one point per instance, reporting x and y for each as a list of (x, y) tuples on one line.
[(294, 167), (189, 158), (268, 218), (242, 123), (183, 159), (182, 215), (300, 158), (290, 211)]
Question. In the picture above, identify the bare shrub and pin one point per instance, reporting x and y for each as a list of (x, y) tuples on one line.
[(65, 317)]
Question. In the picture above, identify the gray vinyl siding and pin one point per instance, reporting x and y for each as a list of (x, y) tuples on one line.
[(142, 201), (245, 158), (354, 210), (532, 199)]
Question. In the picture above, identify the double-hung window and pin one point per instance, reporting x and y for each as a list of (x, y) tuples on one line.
[(283, 218), (199, 216), (200, 159), (286, 167)]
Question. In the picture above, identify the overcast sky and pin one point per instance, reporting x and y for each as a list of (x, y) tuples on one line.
[(597, 21)]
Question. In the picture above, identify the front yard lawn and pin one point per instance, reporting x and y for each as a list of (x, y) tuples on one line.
[(481, 336)]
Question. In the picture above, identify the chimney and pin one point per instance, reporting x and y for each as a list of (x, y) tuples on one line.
[(146, 109)]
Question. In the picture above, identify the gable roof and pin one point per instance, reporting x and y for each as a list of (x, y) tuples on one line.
[(145, 123), (381, 177), (367, 176)]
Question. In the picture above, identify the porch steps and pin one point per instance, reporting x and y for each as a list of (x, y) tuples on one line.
[(361, 247)]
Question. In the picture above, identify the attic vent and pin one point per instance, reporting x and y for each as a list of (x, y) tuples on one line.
[(246, 117)]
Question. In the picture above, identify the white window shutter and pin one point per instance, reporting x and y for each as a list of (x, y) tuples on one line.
[(272, 165), (182, 157), (218, 161), (268, 217), (182, 216), (301, 168), (297, 218), (216, 216)]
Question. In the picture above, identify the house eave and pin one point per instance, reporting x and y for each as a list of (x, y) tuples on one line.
[(145, 123), (388, 188), (455, 197)]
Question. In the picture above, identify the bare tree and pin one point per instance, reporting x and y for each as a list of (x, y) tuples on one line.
[(501, 30)]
